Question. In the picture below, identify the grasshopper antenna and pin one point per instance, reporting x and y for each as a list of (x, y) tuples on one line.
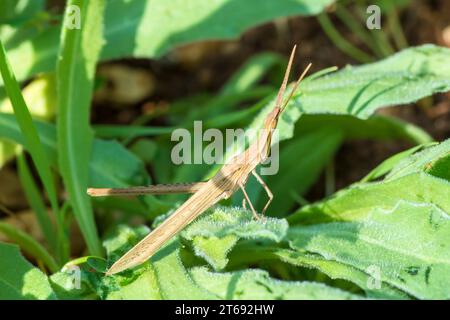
[(294, 88), (285, 80)]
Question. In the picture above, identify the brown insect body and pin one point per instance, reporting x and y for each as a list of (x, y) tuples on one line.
[(232, 176)]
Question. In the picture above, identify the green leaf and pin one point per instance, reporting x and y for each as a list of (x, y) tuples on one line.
[(224, 221), (174, 281), (123, 239), (141, 35), (27, 128), (297, 173), (356, 201), (213, 235), (79, 51), (14, 11), (36, 202), (425, 161), (257, 285), (214, 250), (29, 245), (387, 165), (19, 279), (66, 286), (399, 226), (40, 96), (359, 91), (164, 271), (407, 245)]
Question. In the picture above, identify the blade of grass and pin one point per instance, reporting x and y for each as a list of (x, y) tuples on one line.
[(29, 245), (28, 130), (340, 41), (31, 138), (78, 56), (397, 30), (36, 203)]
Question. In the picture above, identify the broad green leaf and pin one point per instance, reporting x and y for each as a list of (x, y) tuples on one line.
[(359, 199), (102, 171), (407, 246), (168, 276), (425, 161), (132, 28), (19, 279), (402, 78), (359, 91), (214, 250), (40, 97), (27, 128), (257, 285), (387, 165), (15, 11), (145, 287), (213, 235), (78, 55), (174, 281), (336, 270)]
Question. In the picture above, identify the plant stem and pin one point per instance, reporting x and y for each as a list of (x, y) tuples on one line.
[(341, 42), (397, 30), (355, 26)]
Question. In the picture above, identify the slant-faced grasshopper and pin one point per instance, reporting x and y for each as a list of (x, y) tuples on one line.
[(232, 176)]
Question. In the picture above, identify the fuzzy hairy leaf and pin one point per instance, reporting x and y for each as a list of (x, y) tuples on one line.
[(406, 246), (300, 164), (256, 284), (164, 274), (355, 202), (223, 221), (337, 270)]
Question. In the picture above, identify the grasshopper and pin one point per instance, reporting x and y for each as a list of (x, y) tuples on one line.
[(232, 176)]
